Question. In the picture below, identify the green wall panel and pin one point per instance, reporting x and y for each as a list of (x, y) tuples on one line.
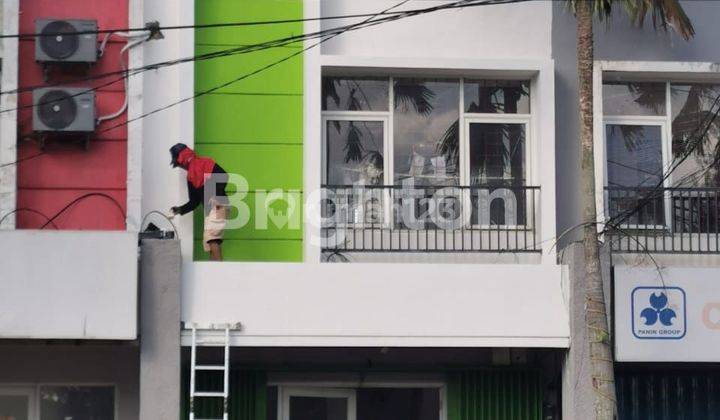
[(280, 79), (256, 250), (264, 166), (495, 394), (248, 119), (215, 11), (254, 127)]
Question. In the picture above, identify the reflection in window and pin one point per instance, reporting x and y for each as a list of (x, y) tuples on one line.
[(691, 112), (634, 155), (426, 148), (634, 159), (633, 98), (497, 96), (77, 403), (354, 152), (354, 94), (497, 153), (398, 404), (318, 408)]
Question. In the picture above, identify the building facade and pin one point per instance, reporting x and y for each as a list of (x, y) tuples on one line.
[(403, 190)]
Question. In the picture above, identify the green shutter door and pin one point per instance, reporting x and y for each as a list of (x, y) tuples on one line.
[(495, 395), (253, 127)]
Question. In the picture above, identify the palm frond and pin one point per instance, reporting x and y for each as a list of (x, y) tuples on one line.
[(353, 147), (664, 14), (417, 95)]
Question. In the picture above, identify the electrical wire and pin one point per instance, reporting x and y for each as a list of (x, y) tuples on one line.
[(233, 24), (29, 210), (256, 47), (165, 216), (366, 23), (84, 197), (4, 165)]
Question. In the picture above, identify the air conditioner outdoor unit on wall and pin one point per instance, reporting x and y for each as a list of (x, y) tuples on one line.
[(64, 110), (66, 41)]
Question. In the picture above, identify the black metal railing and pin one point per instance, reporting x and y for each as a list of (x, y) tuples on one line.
[(397, 218), (664, 220)]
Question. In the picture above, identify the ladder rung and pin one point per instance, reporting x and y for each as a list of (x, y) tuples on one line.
[(209, 394), (209, 367)]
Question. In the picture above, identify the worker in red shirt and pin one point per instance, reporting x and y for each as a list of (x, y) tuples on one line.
[(199, 170)]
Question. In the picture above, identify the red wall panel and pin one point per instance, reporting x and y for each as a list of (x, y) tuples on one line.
[(65, 171)]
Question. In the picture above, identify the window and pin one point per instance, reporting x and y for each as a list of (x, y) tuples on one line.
[(355, 152), (77, 402), (400, 131), (433, 145), (58, 402), (425, 131), (651, 127)]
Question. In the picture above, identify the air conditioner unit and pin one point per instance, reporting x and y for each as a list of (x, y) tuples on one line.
[(64, 110), (66, 41)]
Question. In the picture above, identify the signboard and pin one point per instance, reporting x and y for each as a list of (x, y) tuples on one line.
[(671, 315)]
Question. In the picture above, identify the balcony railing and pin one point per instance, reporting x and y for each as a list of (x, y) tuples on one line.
[(397, 218), (664, 220)]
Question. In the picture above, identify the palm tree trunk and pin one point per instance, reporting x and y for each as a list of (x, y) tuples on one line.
[(601, 358)]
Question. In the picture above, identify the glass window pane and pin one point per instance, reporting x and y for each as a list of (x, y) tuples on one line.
[(398, 404), (691, 112), (497, 153), (318, 408), (635, 167), (497, 96), (14, 407), (426, 116), (355, 152), (634, 155), (633, 98), (355, 94), (77, 403)]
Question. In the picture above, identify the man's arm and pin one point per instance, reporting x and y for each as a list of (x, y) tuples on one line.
[(195, 196)]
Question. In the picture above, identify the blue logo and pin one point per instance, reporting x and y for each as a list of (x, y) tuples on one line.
[(658, 313)]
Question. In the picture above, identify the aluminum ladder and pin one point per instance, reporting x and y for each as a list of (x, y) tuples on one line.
[(225, 368)]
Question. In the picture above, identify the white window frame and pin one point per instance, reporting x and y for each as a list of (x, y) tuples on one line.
[(464, 119), (361, 116), (326, 388), (285, 393), (519, 119), (666, 150)]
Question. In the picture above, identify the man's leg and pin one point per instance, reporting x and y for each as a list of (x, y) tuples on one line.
[(215, 251)]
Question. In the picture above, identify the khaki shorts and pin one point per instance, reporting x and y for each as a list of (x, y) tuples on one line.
[(214, 226)]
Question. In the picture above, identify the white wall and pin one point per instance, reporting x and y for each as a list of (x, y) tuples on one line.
[(8, 120), (163, 186), (515, 31), (68, 285), (434, 305)]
